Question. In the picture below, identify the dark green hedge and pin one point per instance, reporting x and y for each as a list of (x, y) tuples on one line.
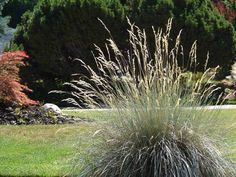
[(3, 20), (199, 20), (16, 8), (58, 29), (202, 22)]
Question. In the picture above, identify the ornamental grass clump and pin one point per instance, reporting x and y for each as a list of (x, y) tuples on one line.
[(158, 129)]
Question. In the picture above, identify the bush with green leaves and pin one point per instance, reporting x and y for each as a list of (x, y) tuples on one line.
[(56, 32), (16, 8), (3, 21), (157, 128), (199, 20)]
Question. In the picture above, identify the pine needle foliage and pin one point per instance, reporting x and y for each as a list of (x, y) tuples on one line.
[(158, 128)]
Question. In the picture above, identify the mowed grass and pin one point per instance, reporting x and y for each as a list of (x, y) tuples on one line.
[(41, 150), (46, 150)]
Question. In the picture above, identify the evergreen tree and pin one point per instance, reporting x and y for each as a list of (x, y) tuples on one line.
[(56, 32), (3, 20), (16, 8)]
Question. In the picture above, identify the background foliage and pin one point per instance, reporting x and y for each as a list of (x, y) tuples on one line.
[(55, 32), (200, 21), (16, 8), (3, 21), (11, 91)]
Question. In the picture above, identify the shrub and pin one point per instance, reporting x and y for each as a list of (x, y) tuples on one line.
[(77, 25), (16, 8), (58, 31), (226, 8), (198, 19), (12, 92), (3, 21), (157, 129)]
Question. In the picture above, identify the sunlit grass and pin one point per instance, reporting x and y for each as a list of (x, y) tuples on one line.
[(40, 150), (46, 150)]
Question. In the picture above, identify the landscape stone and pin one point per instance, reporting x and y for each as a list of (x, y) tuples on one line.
[(52, 107)]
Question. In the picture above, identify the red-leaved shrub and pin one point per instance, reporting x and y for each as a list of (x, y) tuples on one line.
[(11, 90), (227, 12)]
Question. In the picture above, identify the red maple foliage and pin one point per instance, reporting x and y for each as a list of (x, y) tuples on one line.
[(228, 13), (11, 90)]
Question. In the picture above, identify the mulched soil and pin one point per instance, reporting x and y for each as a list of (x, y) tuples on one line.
[(35, 115)]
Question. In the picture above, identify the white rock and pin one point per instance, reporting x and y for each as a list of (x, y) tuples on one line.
[(228, 77), (233, 71), (52, 107)]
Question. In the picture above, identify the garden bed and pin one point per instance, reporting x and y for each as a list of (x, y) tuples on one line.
[(36, 115)]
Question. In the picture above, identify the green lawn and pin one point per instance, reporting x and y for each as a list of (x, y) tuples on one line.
[(46, 150), (40, 150)]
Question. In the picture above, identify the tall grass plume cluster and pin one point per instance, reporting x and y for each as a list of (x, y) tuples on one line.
[(158, 129)]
